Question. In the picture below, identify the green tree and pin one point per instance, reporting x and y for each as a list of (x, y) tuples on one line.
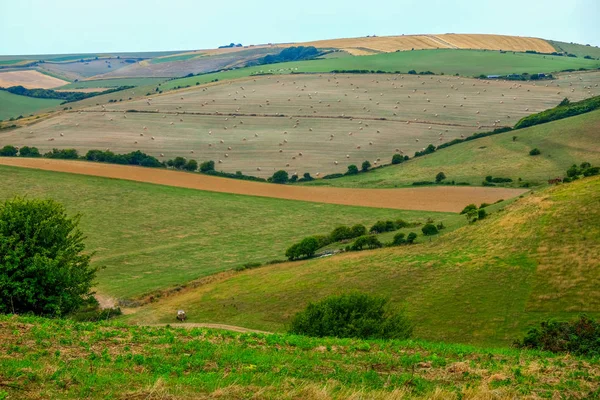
[(440, 177), (429, 230), (356, 315), (43, 267), (27, 151), (399, 239), (397, 159), (191, 165), (293, 178), (352, 170), (481, 213), (8, 151), (535, 152), (280, 176), (369, 241), (468, 208), (179, 162), (358, 230), (365, 166), (207, 166), (341, 233), (410, 239)]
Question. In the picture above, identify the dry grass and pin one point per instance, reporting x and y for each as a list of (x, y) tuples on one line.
[(30, 79)]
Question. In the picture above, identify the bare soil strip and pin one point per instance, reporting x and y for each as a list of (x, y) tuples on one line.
[(440, 198)]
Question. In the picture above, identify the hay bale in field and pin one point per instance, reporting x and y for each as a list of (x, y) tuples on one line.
[(152, 138)]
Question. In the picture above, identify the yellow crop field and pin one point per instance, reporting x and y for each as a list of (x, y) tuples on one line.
[(30, 79)]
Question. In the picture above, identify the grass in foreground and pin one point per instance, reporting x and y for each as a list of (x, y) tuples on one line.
[(562, 143), (481, 284), (12, 105), (62, 359), (150, 237)]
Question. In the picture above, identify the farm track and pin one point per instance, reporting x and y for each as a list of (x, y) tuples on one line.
[(236, 114), (440, 198)]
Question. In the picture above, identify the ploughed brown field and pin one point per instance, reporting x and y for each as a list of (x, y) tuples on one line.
[(442, 198)]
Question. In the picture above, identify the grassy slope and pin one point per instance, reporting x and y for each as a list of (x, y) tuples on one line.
[(113, 83), (42, 358), (578, 49), (181, 57), (482, 284), (12, 105), (148, 237), (562, 143)]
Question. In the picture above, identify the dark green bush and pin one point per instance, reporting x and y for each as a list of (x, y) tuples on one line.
[(470, 207), (535, 152), (27, 151), (191, 165), (429, 230), (207, 166), (280, 176), (341, 233), (352, 170), (353, 315), (369, 241), (397, 159), (580, 337), (440, 177), (365, 166), (305, 249), (410, 239), (8, 151), (399, 239), (64, 154), (481, 213), (358, 230)]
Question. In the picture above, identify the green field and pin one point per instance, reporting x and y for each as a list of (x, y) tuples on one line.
[(484, 283), (578, 49), (182, 57), (111, 83), (149, 237), (562, 143), (12, 105), (45, 358)]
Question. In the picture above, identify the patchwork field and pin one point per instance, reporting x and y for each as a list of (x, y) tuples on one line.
[(12, 105), (485, 283), (150, 237), (302, 123), (112, 83), (30, 79), (88, 68), (562, 143)]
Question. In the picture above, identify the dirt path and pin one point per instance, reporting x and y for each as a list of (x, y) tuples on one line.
[(441, 198), (190, 325)]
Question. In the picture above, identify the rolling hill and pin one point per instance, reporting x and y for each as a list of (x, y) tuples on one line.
[(482, 284), (562, 143)]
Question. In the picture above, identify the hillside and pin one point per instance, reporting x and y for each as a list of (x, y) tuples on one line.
[(43, 358), (12, 105), (562, 143), (151, 237), (316, 123), (482, 284)]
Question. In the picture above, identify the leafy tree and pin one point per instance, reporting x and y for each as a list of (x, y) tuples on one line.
[(293, 178), (358, 230), (207, 166), (429, 230), (8, 151), (535, 152), (179, 162), (399, 239), (410, 239), (365, 166), (369, 241), (356, 315), (468, 208), (27, 151), (341, 233), (280, 176), (306, 248), (191, 165), (481, 213), (64, 154), (352, 170), (440, 177), (43, 268), (397, 159)]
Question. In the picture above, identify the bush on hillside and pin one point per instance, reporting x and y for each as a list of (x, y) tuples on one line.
[(398, 159), (8, 151), (64, 154), (440, 177), (365, 166), (27, 151), (580, 337), (43, 267), (353, 315), (191, 165), (305, 249), (563, 110), (369, 241), (410, 239), (481, 213), (280, 176), (535, 152), (207, 166), (470, 207), (429, 230), (352, 170)]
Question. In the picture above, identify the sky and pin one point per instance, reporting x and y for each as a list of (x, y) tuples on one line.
[(81, 26)]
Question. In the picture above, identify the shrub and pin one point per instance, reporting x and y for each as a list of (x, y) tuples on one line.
[(365, 166), (353, 315), (43, 268), (207, 166), (293, 178), (481, 213), (191, 165), (440, 177), (399, 239), (341, 233), (410, 239), (468, 208), (535, 152), (429, 230), (280, 176), (64, 154), (369, 241), (323, 240), (306, 248), (580, 337), (27, 151), (352, 170), (401, 224), (484, 205), (397, 159), (8, 151), (179, 162), (333, 176), (358, 230), (248, 265)]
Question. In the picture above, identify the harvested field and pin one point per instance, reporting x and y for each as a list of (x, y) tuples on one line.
[(444, 199), (357, 46), (343, 118), (30, 79), (88, 68)]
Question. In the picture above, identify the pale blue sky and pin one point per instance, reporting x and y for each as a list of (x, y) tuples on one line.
[(80, 26)]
